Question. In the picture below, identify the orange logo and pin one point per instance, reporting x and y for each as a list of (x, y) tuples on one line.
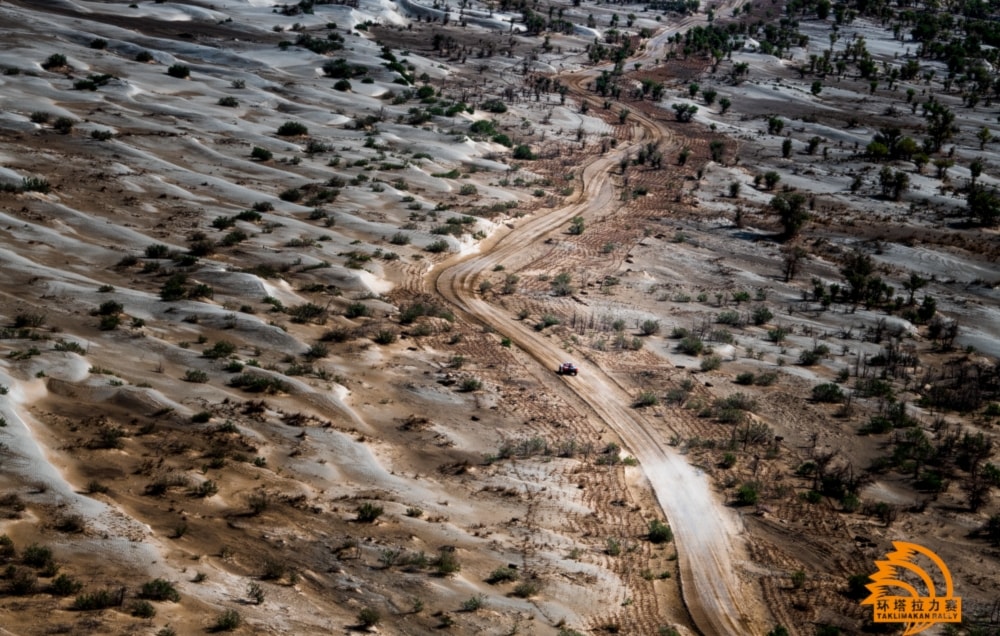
[(922, 598)]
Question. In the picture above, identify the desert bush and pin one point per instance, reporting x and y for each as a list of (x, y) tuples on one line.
[(470, 384), (37, 556), (828, 392), (747, 495), (649, 327), (292, 129), (227, 621), (711, 363), (144, 57), (474, 603), (385, 337), (20, 581), (258, 502), (142, 609), (179, 71), (228, 101), (691, 345), (369, 617), (70, 523), (195, 375), (7, 549), (447, 562), (766, 379), (255, 593), (273, 569), (437, 246), (745, 378), (159, 590), (291, 195), (308, 313), (761, 315), (369, 512), (157, 251), (258, 383), (523, 153), (221, 349), (646, 398), (809, 357), (526, 589), (29, 320), (64, 585), (205, 489), (63, 125), (56, 60), (659, 532), (102, 599), (261, 154), (729, 317), (503, 575)]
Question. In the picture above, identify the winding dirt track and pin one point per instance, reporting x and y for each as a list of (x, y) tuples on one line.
[(707, 534)]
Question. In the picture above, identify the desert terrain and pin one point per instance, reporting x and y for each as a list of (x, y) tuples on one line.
[(285, 288)]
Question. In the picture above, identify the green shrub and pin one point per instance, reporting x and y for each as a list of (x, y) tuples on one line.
[(142, 609), (369, 512), (20, 581), (63, 125), (292, 129), (526, 589), (829, 392), (447, 562), (646, 398), (385, 337), (56, 60), (179, 71), (523, 153), (438, 247), (228, 101), (195, 375), (747, 495), (494, 106), (221, 349), (761, 315), (470, 384), (503, 575), (659, 532), (99, 600), (711, 363), (159, 590), (227, 621), (691, 345), (369, 617), (144, 56), (37, 556), (64, 585), (258, 383)]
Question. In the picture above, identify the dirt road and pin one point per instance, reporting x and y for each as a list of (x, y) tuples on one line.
[(707, 534)]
